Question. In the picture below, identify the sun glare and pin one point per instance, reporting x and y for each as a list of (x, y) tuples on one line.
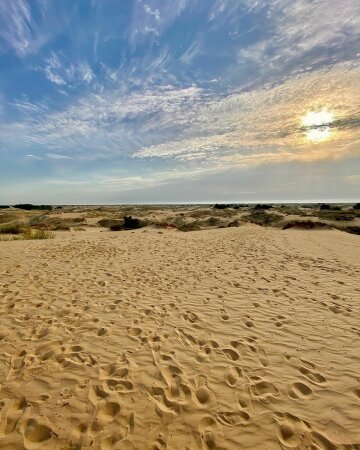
[(317, 125)]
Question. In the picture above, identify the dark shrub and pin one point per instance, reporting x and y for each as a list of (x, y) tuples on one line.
[(352, 230), (12, 229), (235, 223), (356, 206), (221, 206), (264, 207), (29, 207), (325, 207), (107, 223), (212, 221), (305, 225), (338, 215), (189, 227), (263, 218), (60, 227), (4, 206)]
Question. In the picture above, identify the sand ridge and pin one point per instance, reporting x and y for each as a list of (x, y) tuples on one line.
[(221, 339)]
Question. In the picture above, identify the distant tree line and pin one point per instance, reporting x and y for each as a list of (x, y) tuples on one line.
[(29, 207)]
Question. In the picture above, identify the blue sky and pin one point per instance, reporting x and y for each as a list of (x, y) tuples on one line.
[(131, 101)]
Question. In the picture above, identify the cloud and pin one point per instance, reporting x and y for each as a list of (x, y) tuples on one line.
[(266, 125), (155, 13), (299, 35), (59, 70), (16, 30), (57, 156), (191, 125), (24, 26)]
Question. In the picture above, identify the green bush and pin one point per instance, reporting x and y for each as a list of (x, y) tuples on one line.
[(12, 229), (263, 218)]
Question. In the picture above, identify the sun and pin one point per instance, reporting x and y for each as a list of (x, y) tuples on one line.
[(317, 125)]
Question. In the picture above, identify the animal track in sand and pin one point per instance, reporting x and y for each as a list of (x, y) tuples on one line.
[(102, 331), (224, 316)]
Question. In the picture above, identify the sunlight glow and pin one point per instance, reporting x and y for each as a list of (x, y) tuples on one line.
[(317, 125)]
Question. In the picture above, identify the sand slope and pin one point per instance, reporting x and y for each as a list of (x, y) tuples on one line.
[(243, 338)]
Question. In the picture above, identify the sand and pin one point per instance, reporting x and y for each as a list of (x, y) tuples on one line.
[(241, 338)]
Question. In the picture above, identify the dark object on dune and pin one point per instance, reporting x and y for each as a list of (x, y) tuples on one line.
[(4, 206), (235, 223), (129, 223), (29, 207), (325, 207), (305, 225), (264, 207), (59, 207), (221, 206), (116, 227), (357, 206)]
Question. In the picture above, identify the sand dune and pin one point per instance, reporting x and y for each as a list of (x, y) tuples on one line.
[(241, 338)]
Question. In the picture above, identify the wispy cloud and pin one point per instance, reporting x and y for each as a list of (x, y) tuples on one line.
[(238, 128), (16, 31), (61, 71)]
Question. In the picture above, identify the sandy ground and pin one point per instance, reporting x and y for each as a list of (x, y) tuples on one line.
[(241, 338)]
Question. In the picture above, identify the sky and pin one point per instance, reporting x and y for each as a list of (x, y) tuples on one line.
[(156, 101)]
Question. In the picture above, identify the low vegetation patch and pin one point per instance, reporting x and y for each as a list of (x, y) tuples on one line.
[(338, 214), (12, 229), (107, 223), (263, 218), (189, 227), (305, 225), (349, 229), (27, 234)]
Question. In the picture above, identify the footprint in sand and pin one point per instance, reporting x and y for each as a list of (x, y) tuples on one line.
[(264, 391), (300, 391), (233, 374), (312, 376), (36, 432)]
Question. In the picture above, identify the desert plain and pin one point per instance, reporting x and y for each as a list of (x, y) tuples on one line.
[(223, 337)]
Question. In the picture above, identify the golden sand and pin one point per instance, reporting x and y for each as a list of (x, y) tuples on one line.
[(241, 338)]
